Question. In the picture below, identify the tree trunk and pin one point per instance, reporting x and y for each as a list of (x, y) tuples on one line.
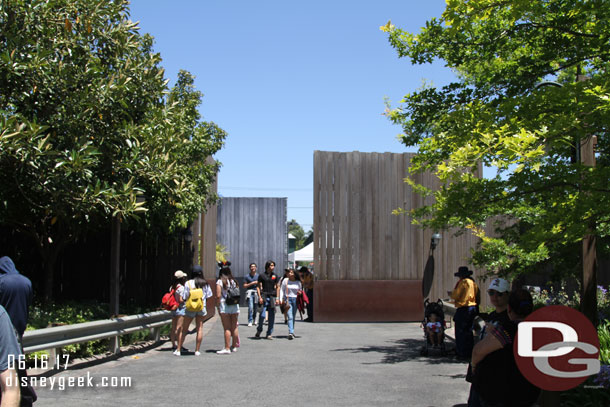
[(49, 253), (588, 301), (49, 278), (115, 257)]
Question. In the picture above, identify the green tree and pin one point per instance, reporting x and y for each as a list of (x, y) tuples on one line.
[(178, 173), (87, 125), (299, 233), (493, 113)]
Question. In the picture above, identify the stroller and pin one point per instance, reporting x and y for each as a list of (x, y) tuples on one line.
[(434, 308)]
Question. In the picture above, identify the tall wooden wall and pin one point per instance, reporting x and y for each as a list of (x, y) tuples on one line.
[(204, 239), (355, 233), (253, 230)]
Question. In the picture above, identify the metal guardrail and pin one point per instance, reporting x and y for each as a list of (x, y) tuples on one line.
[(58, 336)]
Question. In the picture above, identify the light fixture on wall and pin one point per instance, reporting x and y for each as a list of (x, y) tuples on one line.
[(436, 238)]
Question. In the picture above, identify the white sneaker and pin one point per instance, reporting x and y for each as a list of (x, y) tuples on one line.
[(197, 353), (176, 352), (234, 349), (249, 323), (224, 352)]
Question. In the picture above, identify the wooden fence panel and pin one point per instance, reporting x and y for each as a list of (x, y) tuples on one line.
[(253, 230), (357, 237), (355, 213)]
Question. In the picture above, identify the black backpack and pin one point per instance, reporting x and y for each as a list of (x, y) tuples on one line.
[(233, 294)]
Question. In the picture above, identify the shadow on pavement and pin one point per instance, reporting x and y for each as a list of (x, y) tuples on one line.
[(85, 363), (403, 350)]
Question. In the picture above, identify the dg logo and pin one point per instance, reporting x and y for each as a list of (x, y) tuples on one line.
[(557, 348)]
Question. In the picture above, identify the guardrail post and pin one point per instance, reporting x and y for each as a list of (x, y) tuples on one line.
[(155, 334), (53, 352), (114, 345)]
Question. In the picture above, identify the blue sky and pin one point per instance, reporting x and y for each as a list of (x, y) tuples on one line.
[(285, 78)]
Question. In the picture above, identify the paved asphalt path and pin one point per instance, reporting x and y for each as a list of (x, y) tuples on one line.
[(326, 365)]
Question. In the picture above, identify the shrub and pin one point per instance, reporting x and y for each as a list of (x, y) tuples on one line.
[(603, 303), (554, 296), (589, 392), (603, 332)]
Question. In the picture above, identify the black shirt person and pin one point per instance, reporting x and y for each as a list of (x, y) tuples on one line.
[(267, 290)]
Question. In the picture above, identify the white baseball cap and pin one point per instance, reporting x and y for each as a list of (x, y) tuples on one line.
[(500, 285), (179, 274)]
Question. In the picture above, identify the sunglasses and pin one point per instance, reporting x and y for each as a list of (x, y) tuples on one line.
[(495, 293)]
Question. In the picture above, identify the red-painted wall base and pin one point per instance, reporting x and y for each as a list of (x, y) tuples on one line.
[(368, 301)]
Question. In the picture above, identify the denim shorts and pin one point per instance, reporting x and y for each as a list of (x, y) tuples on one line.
[(179, 312), (193, 314), (228, 309)]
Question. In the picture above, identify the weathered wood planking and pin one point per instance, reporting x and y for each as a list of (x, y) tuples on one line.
[(253, 230), (358, 238)]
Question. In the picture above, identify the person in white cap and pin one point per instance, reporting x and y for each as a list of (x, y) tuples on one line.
[(498, 297), (498, 292), (178, 313)]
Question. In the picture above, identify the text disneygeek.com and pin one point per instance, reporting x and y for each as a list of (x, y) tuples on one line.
[(60, 362), (62, 382)]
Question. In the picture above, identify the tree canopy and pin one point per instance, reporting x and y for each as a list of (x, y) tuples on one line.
[(299, 233), (499, 113), (88, 127)]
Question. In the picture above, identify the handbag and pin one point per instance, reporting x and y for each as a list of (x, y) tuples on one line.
[(284, 306)]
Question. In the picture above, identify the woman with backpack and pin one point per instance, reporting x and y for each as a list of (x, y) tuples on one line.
[(177, 314), (196, 292), (228, 310)]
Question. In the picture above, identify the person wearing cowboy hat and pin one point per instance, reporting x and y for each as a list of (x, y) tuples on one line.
[(466, 298)]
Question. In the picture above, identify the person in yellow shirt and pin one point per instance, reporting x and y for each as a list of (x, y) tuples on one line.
[(466, 296)]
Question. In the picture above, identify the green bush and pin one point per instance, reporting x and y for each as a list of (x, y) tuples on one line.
[(603, 303), (587, 394), (603, 332), (554, 296)]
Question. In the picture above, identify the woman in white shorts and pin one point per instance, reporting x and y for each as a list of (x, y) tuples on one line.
[(197, 281), (178, 313), (228, 313)]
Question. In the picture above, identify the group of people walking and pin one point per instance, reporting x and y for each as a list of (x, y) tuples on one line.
[(492, 371), (265, 291)]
